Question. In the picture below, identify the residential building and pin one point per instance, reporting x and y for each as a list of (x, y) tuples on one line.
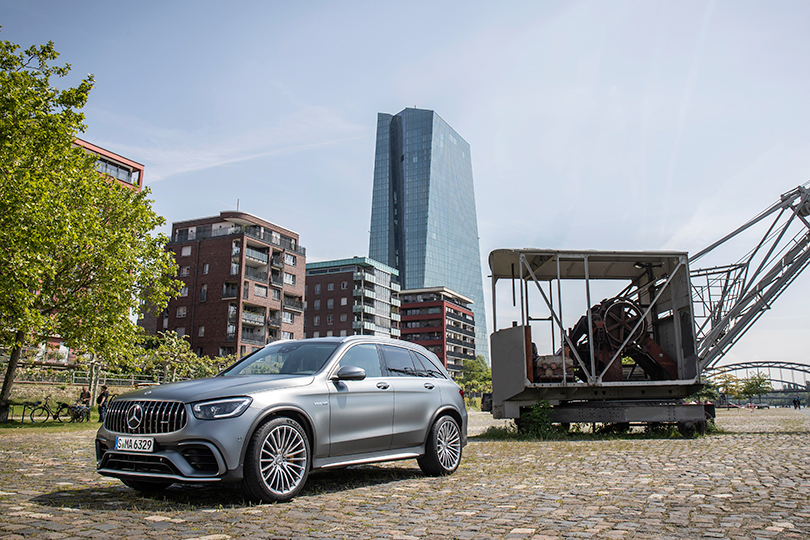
[(357, 296), (243, 284), (423, 218), (442, 321), (128, 173)]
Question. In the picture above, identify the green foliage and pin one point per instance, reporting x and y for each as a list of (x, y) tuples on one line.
[(708, 393), (755, 385), (77, 255), (728, 384), (475, 376), (536, 424), (169, 357)]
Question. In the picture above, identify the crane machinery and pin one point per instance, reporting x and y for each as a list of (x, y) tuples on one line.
[(634, 356)]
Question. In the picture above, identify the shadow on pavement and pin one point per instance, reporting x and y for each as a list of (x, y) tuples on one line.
[(185, 497)]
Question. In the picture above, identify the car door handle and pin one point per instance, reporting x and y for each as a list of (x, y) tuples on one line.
[(429, 386), (382, 385)]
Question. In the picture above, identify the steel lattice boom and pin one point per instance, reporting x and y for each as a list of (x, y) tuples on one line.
[(727, 300)]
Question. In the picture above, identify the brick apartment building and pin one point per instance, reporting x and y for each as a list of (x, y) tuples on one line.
[(357, 296), (128, 173), (243, 284), (442, 321)]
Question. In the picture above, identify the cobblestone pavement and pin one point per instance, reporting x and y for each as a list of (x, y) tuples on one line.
[(751, 481)]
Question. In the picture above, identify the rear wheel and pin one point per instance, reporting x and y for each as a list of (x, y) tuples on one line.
[(40, 414), (146, 487), (443, 448), (277, 462)]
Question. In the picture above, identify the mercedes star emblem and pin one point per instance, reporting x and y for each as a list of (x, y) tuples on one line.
[(134, 416)]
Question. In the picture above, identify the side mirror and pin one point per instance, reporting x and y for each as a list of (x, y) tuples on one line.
[(349, 373)]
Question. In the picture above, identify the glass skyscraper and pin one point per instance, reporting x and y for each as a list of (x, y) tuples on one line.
[(423, 219)]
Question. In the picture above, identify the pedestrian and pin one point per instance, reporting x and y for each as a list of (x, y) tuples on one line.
[(796, 403), (84, 397), (101, 401)]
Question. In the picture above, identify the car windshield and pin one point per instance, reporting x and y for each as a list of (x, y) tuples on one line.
[(287, 357)]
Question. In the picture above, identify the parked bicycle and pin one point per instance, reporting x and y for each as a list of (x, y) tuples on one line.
[(62, 412)]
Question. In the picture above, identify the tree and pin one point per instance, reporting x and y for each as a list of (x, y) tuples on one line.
[(756, 385), (77, 254), (728, 385), (476, 376)]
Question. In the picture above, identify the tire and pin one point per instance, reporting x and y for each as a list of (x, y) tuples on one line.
[(443, 448), (63, 413), (146, 487), (277, 461), (40, 414)]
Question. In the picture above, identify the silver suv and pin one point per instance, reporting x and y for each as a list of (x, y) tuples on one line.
[(287, 409)]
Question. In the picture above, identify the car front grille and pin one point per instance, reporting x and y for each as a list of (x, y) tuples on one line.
[(155, 417), (140, 463)]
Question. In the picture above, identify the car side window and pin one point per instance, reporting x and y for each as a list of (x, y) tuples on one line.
[(364, 356), (428, 367), (398, 362)]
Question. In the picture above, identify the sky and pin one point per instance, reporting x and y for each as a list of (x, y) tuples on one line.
[(626, 125)]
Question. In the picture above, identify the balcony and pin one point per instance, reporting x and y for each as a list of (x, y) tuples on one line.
[(363, 325), (292, 303), (255, 275), (396, 317), (256, 255), (365, 276), (276, 281), (251, 318), (277, 261), (395, 286), (230, 291), (274, 322), (362, 308), (395, 302), (362, 291), (256, 338), (395, 332)]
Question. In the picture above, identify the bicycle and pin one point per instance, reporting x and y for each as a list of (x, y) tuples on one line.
[(42, 412)]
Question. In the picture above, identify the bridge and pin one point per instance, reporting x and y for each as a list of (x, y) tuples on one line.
[(789, 384)]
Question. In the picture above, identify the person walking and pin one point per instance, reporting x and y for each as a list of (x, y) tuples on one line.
[(101, 401), (84, 397)]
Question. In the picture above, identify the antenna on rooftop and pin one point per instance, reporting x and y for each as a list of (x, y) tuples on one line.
[(237, 205)]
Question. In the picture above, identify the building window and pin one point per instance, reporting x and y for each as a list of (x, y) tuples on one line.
[(342, 317), (289, 279), (201, 331), (181, 312), (234, 269), (260, 291), (276, 294), (184, 290), (330, 319), (181, 331), (342, 333), (205, 268), (203, 293), (289, 259), (330, 286), (330, 304), (344, 285), (316, 334), (317, 288), (286, 335), (246, 289), (287, 317), (329, 333), (185, 270), (316, 320), (316, 304), (185, 251), (344, 301)]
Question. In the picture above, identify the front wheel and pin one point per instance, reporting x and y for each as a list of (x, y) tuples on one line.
[(277, 461), (40, 414), (443, 448), (63, 412)]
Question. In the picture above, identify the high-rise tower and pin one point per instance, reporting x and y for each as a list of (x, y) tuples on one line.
[(423, 219)]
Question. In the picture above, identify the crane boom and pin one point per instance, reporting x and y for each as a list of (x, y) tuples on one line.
[(727, 300)]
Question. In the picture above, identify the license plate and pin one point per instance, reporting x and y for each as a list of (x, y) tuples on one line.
[(135, 444)]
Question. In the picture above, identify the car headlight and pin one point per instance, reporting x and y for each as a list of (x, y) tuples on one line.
[(221, 408)]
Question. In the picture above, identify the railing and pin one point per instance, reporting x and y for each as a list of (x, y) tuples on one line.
[(256, 255), (284, 243), (230, 292), (274, 321), (256, 275), (277, 262), (276, 280), (252, 318), (293, 304), (252, 337)]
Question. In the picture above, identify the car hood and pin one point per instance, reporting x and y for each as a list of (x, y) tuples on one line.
[(217, 387)]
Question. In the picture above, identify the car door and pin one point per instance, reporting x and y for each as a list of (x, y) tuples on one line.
[(416, 397), (361, 412)]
